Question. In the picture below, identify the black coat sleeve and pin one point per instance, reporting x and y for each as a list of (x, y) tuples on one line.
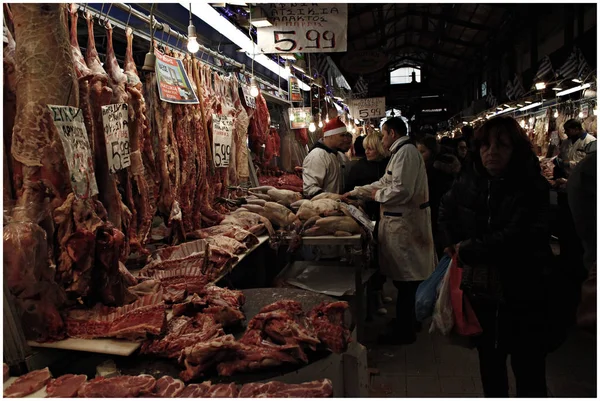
[(448, 228), (526, 231)]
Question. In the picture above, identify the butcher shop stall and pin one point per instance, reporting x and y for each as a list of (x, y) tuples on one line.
[(153, 210)]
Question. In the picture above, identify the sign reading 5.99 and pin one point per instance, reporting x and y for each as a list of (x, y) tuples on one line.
[(363, 109), (304, 27)]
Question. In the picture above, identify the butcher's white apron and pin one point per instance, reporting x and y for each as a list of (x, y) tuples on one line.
[(406, 251)]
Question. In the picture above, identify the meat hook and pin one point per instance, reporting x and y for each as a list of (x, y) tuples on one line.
[(128, 18)]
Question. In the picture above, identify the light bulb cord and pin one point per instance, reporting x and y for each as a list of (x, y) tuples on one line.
[(152, 28), (190, 14)]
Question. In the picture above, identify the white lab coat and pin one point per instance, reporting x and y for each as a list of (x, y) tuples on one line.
[(573, 153), (321, 171), (406, 251)]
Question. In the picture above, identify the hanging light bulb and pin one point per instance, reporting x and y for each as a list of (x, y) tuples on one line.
[(531, 120), (581, 114), (253, 87), (353, 130), (523, 123), (555, 113), (311, 127), (320, 123), (192, 44), (327, 119)]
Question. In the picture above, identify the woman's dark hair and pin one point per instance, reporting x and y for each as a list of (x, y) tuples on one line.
[(523, 158), (397, 124), (359, 149), (467, 133), (430, 142)]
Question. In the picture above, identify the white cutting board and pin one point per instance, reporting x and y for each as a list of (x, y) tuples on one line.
[(99, 345), (41, 393)]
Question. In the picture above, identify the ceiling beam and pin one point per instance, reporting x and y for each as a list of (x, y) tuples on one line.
[(394, 50), (405, 31), (421, 62)]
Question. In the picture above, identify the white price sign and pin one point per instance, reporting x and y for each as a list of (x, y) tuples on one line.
[(116, 134), (305, 28), (222, 128), (73, 135), (249, 100), (363, 109)]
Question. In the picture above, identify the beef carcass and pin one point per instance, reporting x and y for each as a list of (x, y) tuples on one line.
[(328, 321), (28, 383), (241, 172), (42, 45), (202, 356), (11, 186), (190, 278), (144, 316), (141, 152), (118, 387), (168, 387), (183, 332), (314, 389), (66, 386)]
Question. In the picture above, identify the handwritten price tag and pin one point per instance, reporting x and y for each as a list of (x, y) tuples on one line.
[(116, 133), (249, 100), (222, 128), (73, 135), (304, 27), (363, 109)]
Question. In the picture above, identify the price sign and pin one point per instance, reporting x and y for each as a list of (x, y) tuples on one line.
[(222, 128), (116, 134), (299, 117), (304, 27), (294, 90), (73, 135), (363, 109), (249, 100), (173, 83)]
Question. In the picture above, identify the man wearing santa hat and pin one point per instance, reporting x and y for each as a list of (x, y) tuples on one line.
[(322, 169)]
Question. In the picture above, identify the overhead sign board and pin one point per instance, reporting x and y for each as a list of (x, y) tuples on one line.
[(304, 28), (300, 117), (173, 83), (371, 107)]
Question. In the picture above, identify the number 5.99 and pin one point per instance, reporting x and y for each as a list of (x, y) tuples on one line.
[(314, 36)]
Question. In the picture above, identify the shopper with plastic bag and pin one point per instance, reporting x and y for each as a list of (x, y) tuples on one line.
[(495, 219), (426, 296)]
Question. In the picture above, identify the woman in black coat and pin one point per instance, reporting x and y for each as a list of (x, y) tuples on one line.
[(496, 217)]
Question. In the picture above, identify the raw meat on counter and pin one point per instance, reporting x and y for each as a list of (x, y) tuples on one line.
[(200, 357), (118, 387), (290, 182), (28, 383), (253, 222), (274, 389), (168, 387), (65, 386), (223, 304), (227, 230), (339, 226), (144, 316), (328, 322)]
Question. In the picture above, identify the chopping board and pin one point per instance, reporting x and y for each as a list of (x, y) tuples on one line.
[(98, 345), (41, 393)]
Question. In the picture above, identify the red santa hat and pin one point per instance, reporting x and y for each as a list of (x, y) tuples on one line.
[(334, 127)]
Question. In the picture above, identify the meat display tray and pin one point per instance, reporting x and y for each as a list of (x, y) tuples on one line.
[(41, 393), (99, 345), (256, 299)]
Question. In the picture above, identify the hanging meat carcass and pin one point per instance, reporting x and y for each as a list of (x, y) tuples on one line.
[(11, 186), (142, 156)]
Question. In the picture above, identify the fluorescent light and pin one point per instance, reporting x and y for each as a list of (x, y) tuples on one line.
[(261, 22), (338, 98), (577, 81), (540, 85), (519, 105), (465, 122), (557, 88), (429, 96), (575, 89), (498, 108), (298, 68), (530, 106), (506, 105), (212, 17), (527, 102), (506, 110), (287, 56)]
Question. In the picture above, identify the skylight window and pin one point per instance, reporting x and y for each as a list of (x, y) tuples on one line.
[(404, 75)]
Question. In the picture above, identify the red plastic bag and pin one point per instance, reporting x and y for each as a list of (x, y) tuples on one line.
[(465, 320)]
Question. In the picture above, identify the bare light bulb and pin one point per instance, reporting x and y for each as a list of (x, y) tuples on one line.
[(193, 45), (353, 130), (522, 123), (556, 114), (311, 127), (531, 120), (320, 123), (253, 87), (581, 114), (326, 119)]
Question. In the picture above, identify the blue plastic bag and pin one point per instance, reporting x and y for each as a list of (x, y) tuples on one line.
[(428, 289)]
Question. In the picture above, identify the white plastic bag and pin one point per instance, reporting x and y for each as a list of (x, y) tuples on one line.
[(443, 319)]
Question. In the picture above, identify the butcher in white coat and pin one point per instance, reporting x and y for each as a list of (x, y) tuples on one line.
[(322, 168), (406, 251)]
